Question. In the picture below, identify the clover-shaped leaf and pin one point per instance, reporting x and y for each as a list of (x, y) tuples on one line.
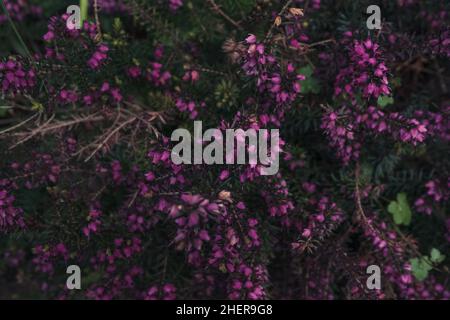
[(383, 101), (400, 210), (422, 265), (436, 256), (420, 268)]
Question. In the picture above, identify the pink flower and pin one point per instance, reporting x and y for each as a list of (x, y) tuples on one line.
[(224, 175), (251, 39)]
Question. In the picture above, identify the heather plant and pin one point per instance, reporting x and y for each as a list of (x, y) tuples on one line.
[(87, 177)]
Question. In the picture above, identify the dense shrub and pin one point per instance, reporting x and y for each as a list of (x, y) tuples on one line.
[(86, 176)]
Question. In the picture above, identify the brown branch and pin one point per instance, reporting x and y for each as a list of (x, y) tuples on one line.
[(19, 124), (217, 9), (33, 133), (97, 21), (109, 137)]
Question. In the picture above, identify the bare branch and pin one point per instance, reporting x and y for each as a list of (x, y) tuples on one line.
[(217, 9)]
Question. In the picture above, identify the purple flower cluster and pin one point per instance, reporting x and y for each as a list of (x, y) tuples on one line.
[(14, 77), (105, 194), (441, 44), (326, 218), (58, 30), (341, 134), (153, 72), (93, 222), (437, 124), (264, 66), (438, 191), (166, 292), (46, 256), (19, 9), (189, 107), (99, 57), (112, 6), (41, 170), (174, 5), (366, 73), (116, 285), (11, 217)]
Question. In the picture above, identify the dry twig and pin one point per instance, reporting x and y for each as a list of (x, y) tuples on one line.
[(217, 9)]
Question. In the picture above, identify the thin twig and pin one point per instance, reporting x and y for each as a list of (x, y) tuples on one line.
[(109, 136), (19, 124), (45, 128), (33, 133), (97, 20), (359, 207), (217, 9), (269, 33), (319, 43)]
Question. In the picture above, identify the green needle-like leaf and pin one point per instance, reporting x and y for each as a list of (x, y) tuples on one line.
[(84, 5)]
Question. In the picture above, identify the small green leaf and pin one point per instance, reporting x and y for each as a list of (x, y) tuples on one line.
[(37, 106), (436, 256), (420, 268), (404, 207), (383, 101), (400, 210), (393, 208)]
